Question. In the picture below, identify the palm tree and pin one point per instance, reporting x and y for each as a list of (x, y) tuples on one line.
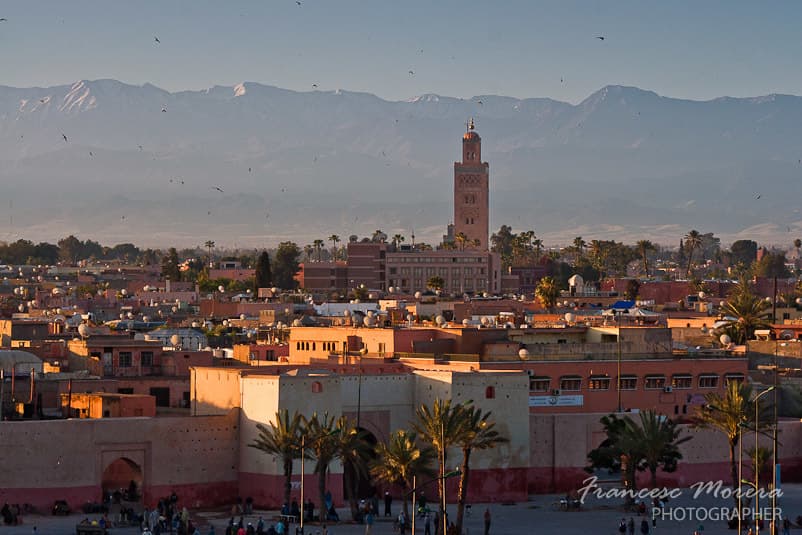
[(398, 460), (321, 441), (378, 236), (397, 239), (727, 414), (441, 426), (209, 245), (308, 250), (644, 247), (750, 311), (334, 239), (537, 243), (477, 433), (659, 440), (283, 441), (435, 283), (692, 240), (547, 292), (318, 245), (461, 239), (353, 450)]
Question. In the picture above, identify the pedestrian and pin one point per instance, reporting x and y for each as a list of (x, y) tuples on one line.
[(402, 523), (644, 527), (388, 502), (437, 523), (427, 524), (786, 526), (487, 521), (631, 526), (369, 523), (622, 526)]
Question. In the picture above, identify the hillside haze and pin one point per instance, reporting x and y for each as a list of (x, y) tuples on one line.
[(141, 164)]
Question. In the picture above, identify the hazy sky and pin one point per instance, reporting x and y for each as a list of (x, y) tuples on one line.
[(693, 49)]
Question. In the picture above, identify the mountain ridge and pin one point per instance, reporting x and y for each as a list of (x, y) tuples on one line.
[(626, 155)]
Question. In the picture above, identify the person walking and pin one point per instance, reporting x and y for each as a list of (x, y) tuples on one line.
[(631, 526), (388, 502), (427, 524), (487, 521), (402, 523), (369, 523)]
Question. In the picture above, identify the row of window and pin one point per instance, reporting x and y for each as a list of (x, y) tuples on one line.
[(452, 285), (680, 381), (125, 359), (401, 259), (442, 272)]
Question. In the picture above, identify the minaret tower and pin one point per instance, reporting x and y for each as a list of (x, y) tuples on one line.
[(471, 192)]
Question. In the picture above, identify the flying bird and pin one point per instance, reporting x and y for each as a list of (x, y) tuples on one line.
[(249, 169), (314, 85), (218, 188), (42, 100), (91, 155), (757, 196), (561, 80), (156, 39), (164, 109), (140, 147), (298, 2), (411, 72), (479, 102), (600, 37), (4, 20), (64, 136)]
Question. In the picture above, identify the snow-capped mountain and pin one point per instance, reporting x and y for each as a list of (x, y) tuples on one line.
[(140, 164)]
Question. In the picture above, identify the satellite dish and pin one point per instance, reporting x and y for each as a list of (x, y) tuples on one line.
[(225, 323), (725, 340), (195, 325), (466, 322), (485, 321), (242, 316), (704, 329), (569, 317), (372, 296), (274, 290), (368, 321), (523, 353), (297, 323), (221, 289), (418, 295), (174, 309), (175, 340), (391, 289), (83, 330), (146, 288), (702, 295), (439, 320), (346, 312), (16, 291), (410, 317), (146, 319), (130, 315), (21, 307), (123, 292)]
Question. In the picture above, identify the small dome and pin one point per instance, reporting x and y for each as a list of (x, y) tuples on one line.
[(471, 136)]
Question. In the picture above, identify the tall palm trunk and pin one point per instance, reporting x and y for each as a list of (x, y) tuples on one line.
[(645, 265), (287, 481), (653, 472), (462, 496), (690, 259), (405, 500), (321, 490), (349, 477), (734, 473)]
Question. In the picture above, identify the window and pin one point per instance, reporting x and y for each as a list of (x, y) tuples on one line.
[(570, 382), (630, 382), (490, 392), (317, 387), (681, 381), (708, 381), (599, 382), (147, 359), (736, 377), (540, 384), (653, 382), (125, 359)]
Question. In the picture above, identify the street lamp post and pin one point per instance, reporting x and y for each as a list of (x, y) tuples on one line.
[(303, 455), (757, 464), (618, 337)]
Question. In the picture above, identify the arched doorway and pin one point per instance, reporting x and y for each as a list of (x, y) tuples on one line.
[(360, 482), (122, 481)]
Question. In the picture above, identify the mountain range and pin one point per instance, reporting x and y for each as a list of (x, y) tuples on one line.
[(252, 165)]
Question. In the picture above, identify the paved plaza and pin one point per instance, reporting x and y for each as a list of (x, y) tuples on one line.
[(541, 514)]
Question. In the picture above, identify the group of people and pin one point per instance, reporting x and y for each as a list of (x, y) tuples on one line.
[(12, 514)]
